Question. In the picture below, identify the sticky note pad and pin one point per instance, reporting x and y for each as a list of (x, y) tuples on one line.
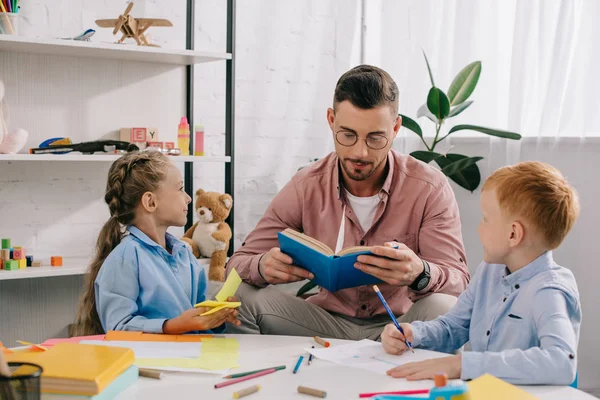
[(230, 287), (217, 305)]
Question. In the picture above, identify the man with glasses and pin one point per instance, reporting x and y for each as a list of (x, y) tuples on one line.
[(366, 194)]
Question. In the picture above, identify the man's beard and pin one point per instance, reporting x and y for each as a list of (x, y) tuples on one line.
[(358, 174)]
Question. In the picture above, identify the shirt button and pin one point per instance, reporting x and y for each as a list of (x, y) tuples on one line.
[(488, 333), (517, 286), (362, 242), (571, 356), (504, 300), (364, 307)]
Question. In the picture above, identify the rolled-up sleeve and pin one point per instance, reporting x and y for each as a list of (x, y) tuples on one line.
[(285, 211), (441, 245), (117, 289)]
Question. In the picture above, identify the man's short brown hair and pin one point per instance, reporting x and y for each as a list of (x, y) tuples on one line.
[(367, 87), (540, 194)]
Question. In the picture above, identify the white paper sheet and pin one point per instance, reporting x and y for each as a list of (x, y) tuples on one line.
[(369, 355), (154, 349)]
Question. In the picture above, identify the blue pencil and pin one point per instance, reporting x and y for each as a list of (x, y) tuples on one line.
[(298, 364), (385, 304)]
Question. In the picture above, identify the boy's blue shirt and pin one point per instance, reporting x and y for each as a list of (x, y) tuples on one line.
[(522, 327), (140, 285)]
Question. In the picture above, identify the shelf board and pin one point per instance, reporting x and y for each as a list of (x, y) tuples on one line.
[(123, 52), (102, 157), (71, 266)]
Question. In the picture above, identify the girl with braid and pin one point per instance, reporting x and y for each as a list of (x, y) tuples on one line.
[(143, 278)]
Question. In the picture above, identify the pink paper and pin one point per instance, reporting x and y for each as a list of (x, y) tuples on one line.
[(76, 339)]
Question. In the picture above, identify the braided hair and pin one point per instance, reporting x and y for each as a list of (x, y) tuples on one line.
[(129, 178)]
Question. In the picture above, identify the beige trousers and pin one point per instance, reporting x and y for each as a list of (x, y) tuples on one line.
[(272, 312)]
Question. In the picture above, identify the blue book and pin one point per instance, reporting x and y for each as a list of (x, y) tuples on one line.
[(122, 382), (332, 271)]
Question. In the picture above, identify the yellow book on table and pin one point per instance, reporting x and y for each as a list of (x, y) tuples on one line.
[(488, 387), (71, 368)]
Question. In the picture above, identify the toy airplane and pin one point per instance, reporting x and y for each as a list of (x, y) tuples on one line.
[(132, 27), (49, 147), (84, 37)]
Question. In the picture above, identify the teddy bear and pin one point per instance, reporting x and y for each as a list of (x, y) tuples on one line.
[(210, 236), (10, 142)]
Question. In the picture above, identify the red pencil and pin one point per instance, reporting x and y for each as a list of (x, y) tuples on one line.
[(244, 378), (402, 392)]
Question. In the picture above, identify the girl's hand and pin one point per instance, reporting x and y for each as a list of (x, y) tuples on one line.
[(393, 341), (191, 320)]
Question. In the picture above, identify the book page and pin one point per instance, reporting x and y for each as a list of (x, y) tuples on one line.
[(353, 249), (308, 241)]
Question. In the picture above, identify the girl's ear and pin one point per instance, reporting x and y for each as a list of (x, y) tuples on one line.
[(149, 201)]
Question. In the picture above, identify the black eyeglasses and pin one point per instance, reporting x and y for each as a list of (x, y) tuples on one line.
[(374, 141)]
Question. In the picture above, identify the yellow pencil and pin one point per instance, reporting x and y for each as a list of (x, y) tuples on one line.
[(2, 6)]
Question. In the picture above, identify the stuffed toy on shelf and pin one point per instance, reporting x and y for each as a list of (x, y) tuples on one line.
[(10, 142), (210, 236)]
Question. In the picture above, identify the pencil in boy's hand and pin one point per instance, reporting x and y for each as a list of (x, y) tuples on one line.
[(394, 320)]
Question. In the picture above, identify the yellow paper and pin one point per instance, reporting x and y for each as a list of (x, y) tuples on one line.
[(230, 287), (488, 387), (216, 354)]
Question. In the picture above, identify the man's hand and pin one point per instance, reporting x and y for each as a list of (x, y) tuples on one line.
[(398, 267), (393, 341), (429, 368), (276, 267)]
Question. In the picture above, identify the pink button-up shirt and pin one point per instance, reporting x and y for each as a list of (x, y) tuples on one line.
[(417, 208)]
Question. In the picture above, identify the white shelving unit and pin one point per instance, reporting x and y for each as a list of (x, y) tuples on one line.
[(71, 266), (101, 157), (107, 51)]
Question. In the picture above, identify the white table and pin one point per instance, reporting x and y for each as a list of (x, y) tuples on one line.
[(258, 351)]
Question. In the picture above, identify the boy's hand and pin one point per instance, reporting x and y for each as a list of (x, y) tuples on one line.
[(429, 368), (393, 341), (191, 320)]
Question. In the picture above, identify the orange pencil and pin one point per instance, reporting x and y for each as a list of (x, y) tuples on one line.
[(322, 342)]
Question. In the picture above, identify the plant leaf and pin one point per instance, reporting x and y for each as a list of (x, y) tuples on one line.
[(459, 165), (411, 124), (463, 85), (438, 103), (469, 178), (428, 69), (424, 112), (426, 156), (308, 286), (487, 131), (459, 108)]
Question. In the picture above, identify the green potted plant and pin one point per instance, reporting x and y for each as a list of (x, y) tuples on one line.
[(439, 108)]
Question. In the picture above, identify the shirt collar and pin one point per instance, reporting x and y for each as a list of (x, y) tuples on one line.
[(172, 241), (387, 184), (538, 265)]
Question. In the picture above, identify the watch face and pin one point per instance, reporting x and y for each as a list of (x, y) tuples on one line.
[(422, 283)]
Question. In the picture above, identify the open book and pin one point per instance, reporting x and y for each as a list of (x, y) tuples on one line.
[(332, 271)]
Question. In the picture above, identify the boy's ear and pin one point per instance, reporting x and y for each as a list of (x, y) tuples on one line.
[(517, 233), (149, 201)]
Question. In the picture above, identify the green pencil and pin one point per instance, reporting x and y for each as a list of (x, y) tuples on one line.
[(241, 374)]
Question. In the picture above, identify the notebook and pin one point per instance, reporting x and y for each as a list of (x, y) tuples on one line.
[(332, 271), (488, 387), (71, 368)]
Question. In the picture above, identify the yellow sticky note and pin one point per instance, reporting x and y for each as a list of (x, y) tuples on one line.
[(489, 387), (220, 345), (230, 287)]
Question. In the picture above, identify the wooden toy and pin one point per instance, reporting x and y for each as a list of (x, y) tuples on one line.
[(18, 254), (5, 243), (56, 261), (36, 264), (22, 263), (11, 265), (29, 260), (132, 27), (5, 254), (139, 136), (1, 263)]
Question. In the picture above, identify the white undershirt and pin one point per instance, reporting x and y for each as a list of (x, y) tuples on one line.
[(364, 208)]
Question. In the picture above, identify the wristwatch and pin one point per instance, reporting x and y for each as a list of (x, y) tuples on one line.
[(423, 279)]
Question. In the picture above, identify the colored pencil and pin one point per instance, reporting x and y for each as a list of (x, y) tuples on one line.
[(241, 374), (311, 356), (401, 392), (244, 378), (389, 311), (245, 392), (298, 364), (322, 342)]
